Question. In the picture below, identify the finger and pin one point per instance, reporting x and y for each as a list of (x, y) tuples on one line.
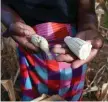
[(97, 43), (96, 40), (59, 50), (64, 58), (22, 26), (25, 27), (26, 32), (25, 43), (30, 47), (15, 30), (21, 29), (77, 63), (57, 46)]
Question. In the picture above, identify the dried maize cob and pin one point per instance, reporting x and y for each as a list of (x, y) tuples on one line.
[(78, 46), (41, 42)]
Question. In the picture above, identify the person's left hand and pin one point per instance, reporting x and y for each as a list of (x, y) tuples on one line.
[(66, 56)]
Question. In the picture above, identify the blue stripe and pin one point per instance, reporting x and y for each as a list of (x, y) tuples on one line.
[(28, 84), (42, 88), (26, 98), (77, 97), (63, 91), (84, 68), (39, 55), (74, 98), (66, 74), (78, 86), (26, 62), (42, 72), (81, 85)]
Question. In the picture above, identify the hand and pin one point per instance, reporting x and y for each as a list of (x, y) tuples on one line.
[(90, 35), (64, 54), (97, 42), (20, 32)]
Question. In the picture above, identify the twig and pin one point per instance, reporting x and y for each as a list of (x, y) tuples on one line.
[(95, 77), (97, 74), (8, 85), (99, 79), (101, 27), (94, 88), (16, 76), (42, 97), (101, 76), (105, 96)]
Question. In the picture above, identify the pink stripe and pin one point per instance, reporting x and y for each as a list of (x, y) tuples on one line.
[(67, 83), (64, 65), (45, 30)]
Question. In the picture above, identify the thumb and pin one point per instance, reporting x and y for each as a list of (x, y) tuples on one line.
[(97, 43)]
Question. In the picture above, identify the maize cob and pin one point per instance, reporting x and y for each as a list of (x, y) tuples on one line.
[(41, 42), (78, 46)]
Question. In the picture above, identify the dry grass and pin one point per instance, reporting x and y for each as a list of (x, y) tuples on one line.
[(9, 62)]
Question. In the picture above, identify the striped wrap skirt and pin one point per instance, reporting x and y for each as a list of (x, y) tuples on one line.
[(38, 75)]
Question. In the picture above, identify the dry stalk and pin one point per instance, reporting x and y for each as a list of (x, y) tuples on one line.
[(89, 87), (8, 85), (97, 74), (94, 88), (16, 76), (100, 76)]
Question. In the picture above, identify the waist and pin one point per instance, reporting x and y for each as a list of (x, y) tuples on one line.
[(53, 31)]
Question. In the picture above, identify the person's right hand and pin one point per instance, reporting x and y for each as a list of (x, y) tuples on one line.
[(20, 32)]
